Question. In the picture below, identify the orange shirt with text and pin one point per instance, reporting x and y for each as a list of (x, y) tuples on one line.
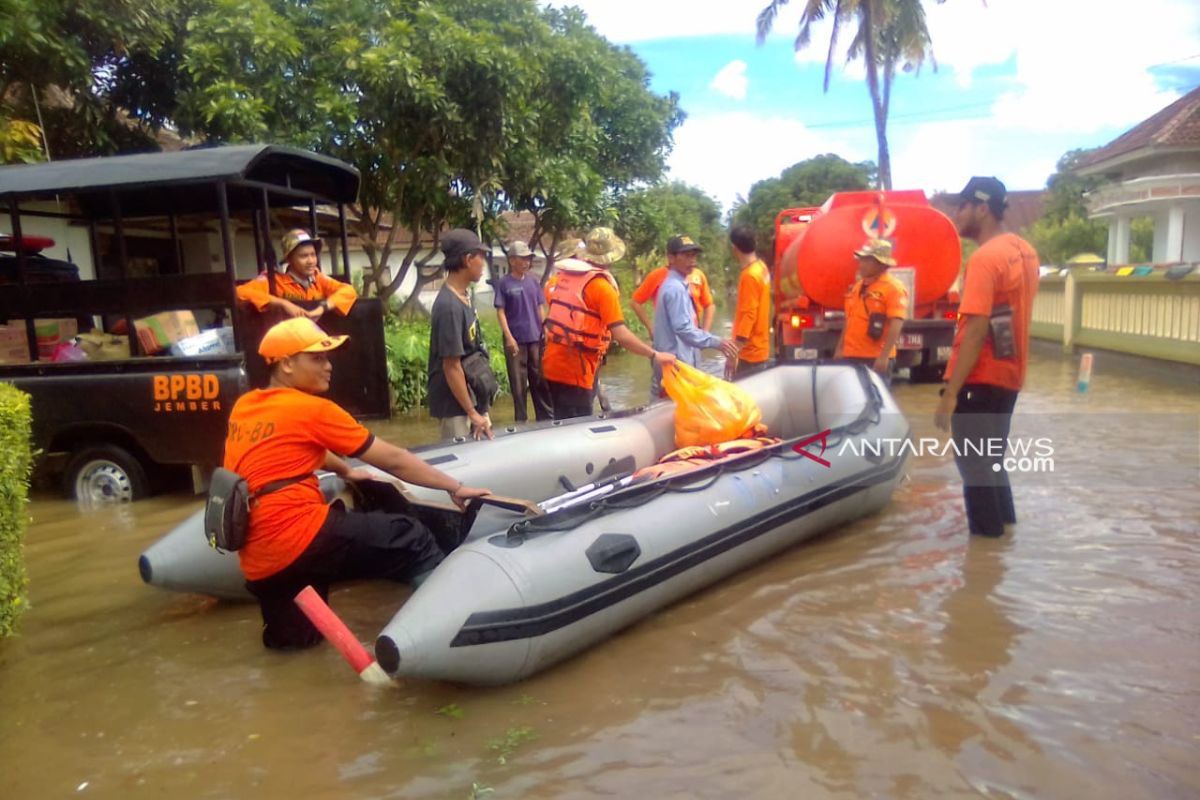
[(282, 433), (752, 319), (258, 292), (697, 287), (884, 295)]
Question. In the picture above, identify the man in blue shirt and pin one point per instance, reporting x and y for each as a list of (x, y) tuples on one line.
[(521, 308), (676, 329)]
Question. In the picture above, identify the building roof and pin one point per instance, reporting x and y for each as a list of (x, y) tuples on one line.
[(1176, 126)]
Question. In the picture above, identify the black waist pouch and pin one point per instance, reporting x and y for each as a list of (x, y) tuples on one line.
[(481, 380), (875, 323), (1004, 344)]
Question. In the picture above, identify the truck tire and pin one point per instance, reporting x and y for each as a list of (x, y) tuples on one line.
[(105, 473)]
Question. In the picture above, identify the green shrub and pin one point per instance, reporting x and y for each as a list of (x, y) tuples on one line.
[(15, 461), (407, 343)]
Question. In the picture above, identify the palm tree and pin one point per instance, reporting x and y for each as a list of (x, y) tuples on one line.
[(890, 33)]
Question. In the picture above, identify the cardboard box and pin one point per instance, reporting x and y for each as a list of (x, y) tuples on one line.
[(217, 341), (14, 347), (158, 332)]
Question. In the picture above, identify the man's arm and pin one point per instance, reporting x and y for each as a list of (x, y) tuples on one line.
[(678, 309), (640, 310), (510, 341), (710, 311), (258, 294), (456, 379), (975, 331), (338, 295), (625, 337), (407, 467), (890, 337)]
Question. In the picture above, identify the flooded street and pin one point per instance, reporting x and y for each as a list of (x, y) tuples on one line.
[(892, 658)]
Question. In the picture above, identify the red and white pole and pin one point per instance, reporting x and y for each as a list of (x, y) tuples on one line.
[(333, 629)]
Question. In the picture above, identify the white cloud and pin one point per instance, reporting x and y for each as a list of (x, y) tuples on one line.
[(940, 156), (641, 20), (731, 80), (726, 153)]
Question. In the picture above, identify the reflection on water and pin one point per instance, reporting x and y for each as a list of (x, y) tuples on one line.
[(893, 658)]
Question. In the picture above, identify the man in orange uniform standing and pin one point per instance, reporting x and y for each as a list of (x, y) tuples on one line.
[(584, 316), (875, 310), (702, 299), (303, 280), (752, 319), (277, 438), (990, 351)]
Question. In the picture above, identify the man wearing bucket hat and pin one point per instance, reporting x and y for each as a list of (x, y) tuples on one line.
[(520, 309), (875, 309), (301, 280), (675, 328), (986, 370), (585, 316), (278, 437)]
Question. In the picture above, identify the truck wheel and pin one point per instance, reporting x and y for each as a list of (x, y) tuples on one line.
[(105, 473)]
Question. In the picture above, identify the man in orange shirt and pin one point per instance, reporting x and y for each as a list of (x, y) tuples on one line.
[(987, 360), (702, 299), (584, 316), (277, 438), (303, 280), (875, 310), (752, 319)]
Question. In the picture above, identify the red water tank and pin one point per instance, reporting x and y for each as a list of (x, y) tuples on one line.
[(819, 260)]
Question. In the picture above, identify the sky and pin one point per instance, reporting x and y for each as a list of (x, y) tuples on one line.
[(1018, 83)]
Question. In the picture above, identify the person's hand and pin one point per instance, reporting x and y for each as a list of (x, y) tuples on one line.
[(316, 313), (729, 349), (461, 494), (664, 359), (510, 344), (945, 408), (291, 309), (481, 425), (359, 474), (881, 365)]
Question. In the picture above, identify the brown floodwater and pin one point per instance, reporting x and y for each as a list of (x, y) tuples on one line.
[(892, 658)]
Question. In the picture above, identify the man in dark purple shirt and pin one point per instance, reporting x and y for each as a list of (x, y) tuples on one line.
[(520, 307)]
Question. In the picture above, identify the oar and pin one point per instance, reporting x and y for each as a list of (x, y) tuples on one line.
[(333, 629)]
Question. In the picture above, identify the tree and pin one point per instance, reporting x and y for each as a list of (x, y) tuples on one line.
[(803, 185), (647, 218), (1064, 229), (68, 69), (889, 34), (594, 128)]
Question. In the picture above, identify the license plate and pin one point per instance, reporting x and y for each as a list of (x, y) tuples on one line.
[(909, 341), (805, 353)]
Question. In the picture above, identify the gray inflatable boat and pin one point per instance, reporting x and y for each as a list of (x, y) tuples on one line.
[(522, 593)]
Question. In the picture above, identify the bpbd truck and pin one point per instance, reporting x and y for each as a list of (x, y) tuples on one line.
[(815, 268), (166, 348)]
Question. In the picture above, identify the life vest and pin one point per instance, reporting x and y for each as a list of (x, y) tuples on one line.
[(686, 459), (570, 322)]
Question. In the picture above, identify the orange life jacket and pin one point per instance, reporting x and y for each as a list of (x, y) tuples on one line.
[(686, 459), (570, 322)]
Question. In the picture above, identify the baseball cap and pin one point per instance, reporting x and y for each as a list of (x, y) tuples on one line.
[(296, 335), (296, 237), (459, 242), (984, 190), (601, 246), (519, 249), (682, 244), (878, 249)]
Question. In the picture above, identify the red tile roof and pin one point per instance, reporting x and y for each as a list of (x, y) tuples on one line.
[(1177, 125)]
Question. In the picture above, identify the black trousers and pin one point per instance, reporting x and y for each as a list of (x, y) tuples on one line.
[(749, 367), (979, 427), (570, 401), (349, 546), (525, 378)]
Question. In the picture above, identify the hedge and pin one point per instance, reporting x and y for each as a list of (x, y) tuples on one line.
[(15, 459)]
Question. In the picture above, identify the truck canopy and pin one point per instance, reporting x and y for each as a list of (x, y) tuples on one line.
[(155, 183)]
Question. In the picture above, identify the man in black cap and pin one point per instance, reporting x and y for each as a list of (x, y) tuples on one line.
[(457, 354), (987, 361)]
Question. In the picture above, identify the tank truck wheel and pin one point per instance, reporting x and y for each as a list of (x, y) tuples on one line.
[(105, 473)]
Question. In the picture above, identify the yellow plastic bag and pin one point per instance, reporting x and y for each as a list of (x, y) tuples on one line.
[(708, 410)]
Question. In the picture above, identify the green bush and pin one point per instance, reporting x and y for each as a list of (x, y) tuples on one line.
[(407, 344), (15, 461)]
